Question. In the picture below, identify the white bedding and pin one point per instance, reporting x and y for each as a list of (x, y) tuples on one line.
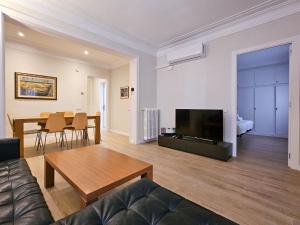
[(243, 126)]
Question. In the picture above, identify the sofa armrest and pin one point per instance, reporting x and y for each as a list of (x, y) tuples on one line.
[(9, 148)]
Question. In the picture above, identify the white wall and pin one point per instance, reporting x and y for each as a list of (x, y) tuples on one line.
[(208, 82), (70, 83), (119, 108)]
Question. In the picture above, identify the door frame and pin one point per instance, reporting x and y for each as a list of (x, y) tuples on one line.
[(294, 71), (106, 102)]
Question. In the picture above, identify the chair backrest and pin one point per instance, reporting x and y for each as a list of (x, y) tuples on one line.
[(80, 121), (61, 113), (69, 114), (45, 114), (11, 123), (55, 122)]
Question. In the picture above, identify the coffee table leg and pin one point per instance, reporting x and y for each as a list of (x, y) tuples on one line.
[(148, 174), (48, 175)]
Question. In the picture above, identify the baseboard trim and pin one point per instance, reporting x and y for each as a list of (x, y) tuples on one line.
[(119, 132)]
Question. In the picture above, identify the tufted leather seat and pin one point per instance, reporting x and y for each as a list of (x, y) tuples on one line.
[(13, 169), (21, 200), (143, 203)]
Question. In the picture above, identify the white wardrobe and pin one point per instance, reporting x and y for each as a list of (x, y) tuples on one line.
[(263, 94)]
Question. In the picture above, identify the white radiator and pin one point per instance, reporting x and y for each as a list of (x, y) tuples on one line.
[(150, 124)]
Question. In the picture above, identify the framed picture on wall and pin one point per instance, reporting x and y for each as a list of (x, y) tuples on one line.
[(124, 92), (32, 86)]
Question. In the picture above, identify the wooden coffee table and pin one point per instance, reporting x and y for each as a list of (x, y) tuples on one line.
[(94, 170)]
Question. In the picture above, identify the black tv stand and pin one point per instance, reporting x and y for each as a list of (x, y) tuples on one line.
[(204, 147)]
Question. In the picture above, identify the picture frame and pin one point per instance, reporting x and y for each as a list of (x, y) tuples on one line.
[(124, 92), (33, 86)]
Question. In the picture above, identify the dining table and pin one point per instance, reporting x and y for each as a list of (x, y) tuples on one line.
[(18, 125)]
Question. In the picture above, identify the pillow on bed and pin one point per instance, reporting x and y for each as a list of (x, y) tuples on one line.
[(239, 118)]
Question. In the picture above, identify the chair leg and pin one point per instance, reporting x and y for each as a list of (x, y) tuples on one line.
[(81, 136), (36, 138), (64, 133), (61, 139), (38, 145), (45, 143), (55, 137), (76, 133), (72, 139), (87, 136)]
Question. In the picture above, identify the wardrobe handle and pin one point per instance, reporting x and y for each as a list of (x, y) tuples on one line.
[(276, 108)]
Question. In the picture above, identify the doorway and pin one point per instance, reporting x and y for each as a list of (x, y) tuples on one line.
[(97, 99), (263, 103), (103, 96)]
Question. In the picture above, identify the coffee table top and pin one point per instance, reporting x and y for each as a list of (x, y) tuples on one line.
[(94, 169)]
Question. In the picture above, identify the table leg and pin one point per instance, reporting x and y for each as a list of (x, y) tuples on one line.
[(97, 130), (48, 175), (19, 133), (148, 174)]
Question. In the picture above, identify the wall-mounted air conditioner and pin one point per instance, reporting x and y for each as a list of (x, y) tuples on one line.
[(186, 53)]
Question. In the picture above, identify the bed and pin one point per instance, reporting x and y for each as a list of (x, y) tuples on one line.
[(243, 126)]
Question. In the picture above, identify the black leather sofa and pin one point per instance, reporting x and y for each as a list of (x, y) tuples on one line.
[(21, 200), (142, 203)]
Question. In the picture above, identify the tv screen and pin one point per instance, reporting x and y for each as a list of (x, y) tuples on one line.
[(200, 123)]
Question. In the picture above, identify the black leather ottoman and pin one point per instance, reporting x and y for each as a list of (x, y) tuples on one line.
[(144, 203)]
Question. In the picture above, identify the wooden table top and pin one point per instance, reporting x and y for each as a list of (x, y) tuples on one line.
[(38, 119), (94, 169)]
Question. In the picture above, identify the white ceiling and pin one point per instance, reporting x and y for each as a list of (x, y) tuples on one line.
[(269, 56), (64, 47), (162, 22)]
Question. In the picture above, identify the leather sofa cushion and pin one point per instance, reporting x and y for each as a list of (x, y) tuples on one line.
[(22, 203), (142, 203), (13, 169)]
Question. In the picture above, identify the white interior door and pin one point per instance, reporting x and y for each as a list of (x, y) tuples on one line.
[(282, 110), (265, 110), (245, 100)]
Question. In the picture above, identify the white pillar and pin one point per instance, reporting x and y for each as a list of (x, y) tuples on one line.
[(134, 105), (2, 77)]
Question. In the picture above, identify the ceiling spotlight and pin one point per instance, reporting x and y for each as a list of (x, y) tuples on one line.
[(21, 34), (86, 52)]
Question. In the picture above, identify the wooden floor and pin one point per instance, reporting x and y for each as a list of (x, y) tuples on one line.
[(255, 188)]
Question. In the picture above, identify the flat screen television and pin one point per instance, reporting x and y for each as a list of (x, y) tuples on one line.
[(200, 123)]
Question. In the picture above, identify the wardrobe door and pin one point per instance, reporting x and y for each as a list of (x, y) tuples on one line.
[(265, 110), (282, 110), (282, 74), (265, 76), (245, 100)]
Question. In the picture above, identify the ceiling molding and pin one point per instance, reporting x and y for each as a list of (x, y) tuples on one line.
[(57, 16), (250, 21), (253, 11)]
